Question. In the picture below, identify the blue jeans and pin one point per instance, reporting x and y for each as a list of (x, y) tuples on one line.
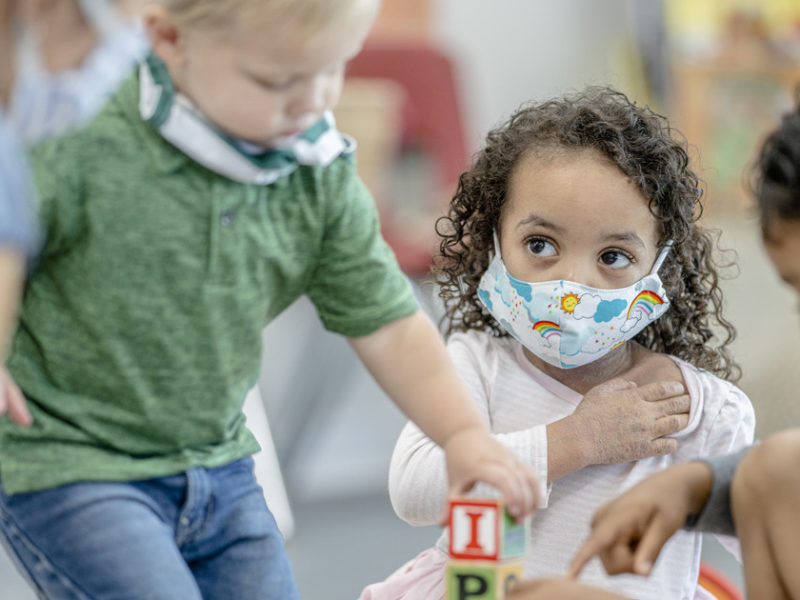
[(205, 534)]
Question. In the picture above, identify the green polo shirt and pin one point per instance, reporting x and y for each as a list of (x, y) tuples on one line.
[(140, 332)]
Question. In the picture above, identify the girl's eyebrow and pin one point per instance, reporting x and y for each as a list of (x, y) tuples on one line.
[(541, 222), (626, 236)]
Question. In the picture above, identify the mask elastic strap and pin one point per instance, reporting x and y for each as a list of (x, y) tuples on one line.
[(496, 244), (662, 256)]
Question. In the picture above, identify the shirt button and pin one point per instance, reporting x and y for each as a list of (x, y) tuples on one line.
[(227, 218)]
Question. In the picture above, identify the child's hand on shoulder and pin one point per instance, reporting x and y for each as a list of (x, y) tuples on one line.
[(618, 421), (473, 455), (12, 401)]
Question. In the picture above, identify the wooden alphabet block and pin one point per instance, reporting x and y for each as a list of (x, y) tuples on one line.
[(481, 580), (483, 530)]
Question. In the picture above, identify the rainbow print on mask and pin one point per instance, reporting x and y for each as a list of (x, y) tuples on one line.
[(547, 328), (645, 302)]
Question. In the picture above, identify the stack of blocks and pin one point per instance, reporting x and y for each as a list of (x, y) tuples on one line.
[(486, 550)]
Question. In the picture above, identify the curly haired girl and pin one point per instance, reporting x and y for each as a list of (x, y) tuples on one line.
[(583, 306)]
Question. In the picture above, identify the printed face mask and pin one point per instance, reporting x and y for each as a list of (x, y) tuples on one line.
[(568, 324)]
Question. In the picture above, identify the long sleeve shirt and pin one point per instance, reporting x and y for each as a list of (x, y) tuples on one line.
[(519, 400)]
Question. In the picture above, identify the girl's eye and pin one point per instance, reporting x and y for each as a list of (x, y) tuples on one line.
[(540, 247), (616, 259)]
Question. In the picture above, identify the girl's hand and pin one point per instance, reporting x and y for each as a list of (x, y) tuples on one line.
[(12, 401), (558, 589), (628, 533), (619, 422), (473, 455)]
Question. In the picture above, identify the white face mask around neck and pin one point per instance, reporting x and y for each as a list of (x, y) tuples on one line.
[(182, 124)]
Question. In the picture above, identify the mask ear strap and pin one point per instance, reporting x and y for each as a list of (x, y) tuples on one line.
[(496, 244), (662, 256)]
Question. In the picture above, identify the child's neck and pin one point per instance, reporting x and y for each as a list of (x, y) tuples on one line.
[(582, 379)]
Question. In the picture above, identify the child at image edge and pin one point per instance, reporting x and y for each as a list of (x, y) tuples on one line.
[(210, 192), (574, 231), (753, 493)]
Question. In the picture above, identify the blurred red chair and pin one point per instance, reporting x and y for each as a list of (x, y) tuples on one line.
[(717, 584), (401, 50), (430, 119), (432, 111)]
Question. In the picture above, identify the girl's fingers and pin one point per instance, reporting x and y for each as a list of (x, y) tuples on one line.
[(516, 482), (532, 483), (506, 480), (529, 490)]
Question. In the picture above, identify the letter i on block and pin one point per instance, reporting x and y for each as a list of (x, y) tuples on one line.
[(484, 530), (483, 536)]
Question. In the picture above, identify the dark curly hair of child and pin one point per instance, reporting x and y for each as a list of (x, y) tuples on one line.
[(777, 173), (644, 147)]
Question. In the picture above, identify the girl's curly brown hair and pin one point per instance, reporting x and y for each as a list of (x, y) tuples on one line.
[(641, 143)]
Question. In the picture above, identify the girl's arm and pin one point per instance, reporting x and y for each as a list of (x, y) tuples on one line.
[(408, 359), (417, 475)]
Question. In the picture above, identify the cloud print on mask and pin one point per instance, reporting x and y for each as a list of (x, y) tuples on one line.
[(587, 306), (609, 309), (485, 298), (505, 292), (523, 289), (631, 323), (571, 343)]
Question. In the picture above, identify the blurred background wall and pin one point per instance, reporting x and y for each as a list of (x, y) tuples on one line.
[(434, 77)]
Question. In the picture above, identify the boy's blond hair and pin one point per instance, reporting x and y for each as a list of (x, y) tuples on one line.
[(308, 14)]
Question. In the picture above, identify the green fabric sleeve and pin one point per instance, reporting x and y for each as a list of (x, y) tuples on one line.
[(357, 285)]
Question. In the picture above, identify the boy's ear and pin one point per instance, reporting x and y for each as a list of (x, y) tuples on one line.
[(165, 36)]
